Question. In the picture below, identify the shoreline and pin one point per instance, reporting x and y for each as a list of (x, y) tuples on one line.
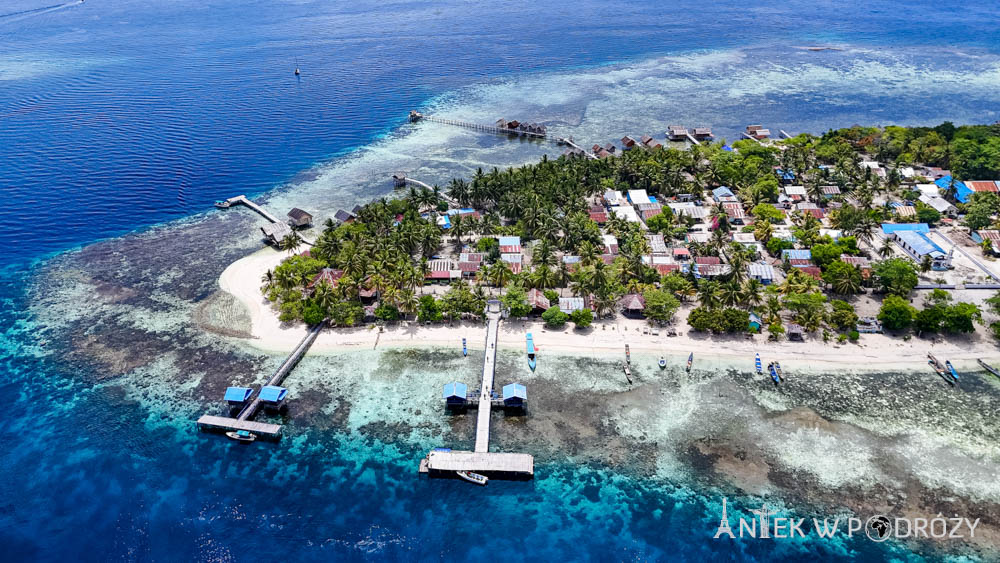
[(874, 353)]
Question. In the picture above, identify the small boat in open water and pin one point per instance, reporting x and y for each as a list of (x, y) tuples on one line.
[(662, 363), (690, 361), (757, 364), (530, 348), (242, 436), (989, 368), (465, 350), (951, 370), (473, 477)]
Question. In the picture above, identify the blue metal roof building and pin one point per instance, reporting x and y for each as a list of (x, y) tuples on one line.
[(796, 254), (721, 192), (962, 192), (890, 228), (273, 394), (237, 395), (919, 244), (514, 395), (455, 393)]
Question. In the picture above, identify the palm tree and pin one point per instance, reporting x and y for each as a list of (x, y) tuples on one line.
[(708, 294), (323, 295), (291, 242), (588, 252), (763, 230), (885, 251), (500, 274), (408, 301), (730, 294), (752, 292), (268, 281), (773, 306)]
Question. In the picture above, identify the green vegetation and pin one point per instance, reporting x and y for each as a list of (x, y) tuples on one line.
[(660, 305), (554, 318), (896, 313), (582, 318), (896, 276)]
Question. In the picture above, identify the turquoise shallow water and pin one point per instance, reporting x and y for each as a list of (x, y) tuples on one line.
[(121, 116)]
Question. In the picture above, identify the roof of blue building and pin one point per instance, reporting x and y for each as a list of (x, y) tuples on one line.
[(920, 243), (272, 393), (797, 254), (514, 390), (789, 175), (962, 192), (722, 191), (455, 389), (510, 241), (890, 228), (238, 393)]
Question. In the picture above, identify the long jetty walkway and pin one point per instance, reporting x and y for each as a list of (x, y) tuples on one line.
[(482, 460), (570, 142), (414, 116), (244, 420), (242, 200)]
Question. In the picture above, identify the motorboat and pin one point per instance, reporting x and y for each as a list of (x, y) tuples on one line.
[(244, 436)]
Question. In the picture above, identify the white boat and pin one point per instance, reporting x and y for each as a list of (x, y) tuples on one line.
[(242, 436), (474, 478), (662, 363)]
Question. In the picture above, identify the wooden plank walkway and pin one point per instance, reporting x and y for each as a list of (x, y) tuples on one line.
[(570, 142), (242, 200), (486, 389), (486, 128)]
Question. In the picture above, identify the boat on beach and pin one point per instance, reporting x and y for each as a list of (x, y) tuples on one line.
[(939, 368), (690, 360), (474, 478), (775, 374), (951, 369), (777, 369), (465, 350), (989, 368), (530, 348), (757, 364), (243, 436), (628, 355), (662, 363)]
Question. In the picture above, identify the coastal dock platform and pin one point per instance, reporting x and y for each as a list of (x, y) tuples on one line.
[(442, 461), (242, 200), (244, 420), (511, 464)]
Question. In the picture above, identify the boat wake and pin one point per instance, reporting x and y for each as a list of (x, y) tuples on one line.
[(15, 16)]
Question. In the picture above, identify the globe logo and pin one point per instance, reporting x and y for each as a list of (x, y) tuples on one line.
[(878, 528)]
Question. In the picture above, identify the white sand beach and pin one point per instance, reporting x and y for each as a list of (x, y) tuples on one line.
[(874, 352)]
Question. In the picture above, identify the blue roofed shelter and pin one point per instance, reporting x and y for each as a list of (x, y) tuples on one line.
[(272, 395), (754, 323), (515, 395), (236, 396), (455, 393)]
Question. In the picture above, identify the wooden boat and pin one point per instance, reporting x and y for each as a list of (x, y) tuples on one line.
[(296, 67), (989, 368), (242, 436), (774, 373), (757, 364), (628, 372), (474, 478), (951, 369), (223, 204), (939, 369), (465, 350), (777, 369), (530, 348), (628, 355), (662, 363), (690, 360)]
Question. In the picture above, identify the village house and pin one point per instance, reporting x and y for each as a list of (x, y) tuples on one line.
[(299, 218), (509, 244), (677, 132), (757, 132), (988, 235), (914, 240), (627, 143), (764, 273)]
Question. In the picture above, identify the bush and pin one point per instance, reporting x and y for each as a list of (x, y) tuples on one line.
[(552, 295), (554, 318), (386, 313), (429, 310), (582, 318), (854, 335), (841, 338), (660, 305), (896, 313), (313, 314)]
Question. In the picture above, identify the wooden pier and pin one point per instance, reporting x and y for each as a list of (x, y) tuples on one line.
[(415, 116), (244, 420), (482, 460), (569, 141), (242, 200)]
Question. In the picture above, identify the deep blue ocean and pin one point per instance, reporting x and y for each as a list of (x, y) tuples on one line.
[(118, 115)]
